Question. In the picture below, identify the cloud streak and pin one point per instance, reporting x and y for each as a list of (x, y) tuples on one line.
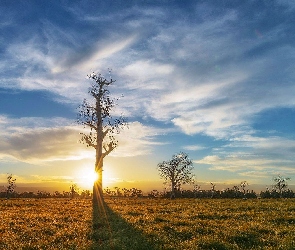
[(61, 143)]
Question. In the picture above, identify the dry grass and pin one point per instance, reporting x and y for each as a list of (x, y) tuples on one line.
[(211, 224), (148, 224), (45, 224)]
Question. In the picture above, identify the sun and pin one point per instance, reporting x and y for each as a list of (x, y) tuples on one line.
[(86, 177), (90, 176)]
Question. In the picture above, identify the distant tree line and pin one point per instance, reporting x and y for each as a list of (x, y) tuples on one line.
[(279, 190), (233, 193), (85, 194), (124, 192), (9, 192)]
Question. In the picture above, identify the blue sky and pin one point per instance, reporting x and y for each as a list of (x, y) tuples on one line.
[(212, 78)]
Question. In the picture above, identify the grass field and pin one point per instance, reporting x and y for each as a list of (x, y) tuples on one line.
[(148, 224)]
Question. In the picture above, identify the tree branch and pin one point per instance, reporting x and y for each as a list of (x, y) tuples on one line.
[(109, 148), (89, 124), (105, 133), (88, 140)]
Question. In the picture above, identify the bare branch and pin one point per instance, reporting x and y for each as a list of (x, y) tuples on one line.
[(109, 148), (89, 140), (106, 132)]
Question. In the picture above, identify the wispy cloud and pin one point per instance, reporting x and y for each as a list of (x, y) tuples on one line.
[(137, 140), (254, 156), (101, 50), (61, 143), (51, 178), (194, 147), (42, 144)]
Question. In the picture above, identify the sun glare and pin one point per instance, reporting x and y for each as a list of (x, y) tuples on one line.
[(86, 177), (90, 176)]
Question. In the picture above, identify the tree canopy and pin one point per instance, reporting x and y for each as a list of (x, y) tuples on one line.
[(177, 171)]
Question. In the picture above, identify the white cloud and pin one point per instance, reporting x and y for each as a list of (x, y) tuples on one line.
[(36, 140), (194, 147), (245, 164), (42, 144), (145, 74), (103, 49), (282, 148), (10, 126), (255, 157), (138, 140)]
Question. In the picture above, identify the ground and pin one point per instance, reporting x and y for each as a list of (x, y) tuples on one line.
[(142, 223)]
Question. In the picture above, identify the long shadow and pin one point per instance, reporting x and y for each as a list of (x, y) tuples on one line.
[(112, 232)]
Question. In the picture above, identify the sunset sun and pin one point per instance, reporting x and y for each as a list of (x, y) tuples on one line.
[(90, 176), (86, 177)]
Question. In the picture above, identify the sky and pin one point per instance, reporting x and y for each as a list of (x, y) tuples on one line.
[(214, 79)]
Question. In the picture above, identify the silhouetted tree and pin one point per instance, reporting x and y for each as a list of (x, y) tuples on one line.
[(118, 191), (86, 194), (154, 194), (43, 194), (196, 190), (243, 185), (136, 192), (10, 185), (108, 191), (74, 190), (280, 184), (212, 189), (177, 171), (57, 194), (236, 191), (102, 126)]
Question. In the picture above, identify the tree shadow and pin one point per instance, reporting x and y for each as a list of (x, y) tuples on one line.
[(111, 232)]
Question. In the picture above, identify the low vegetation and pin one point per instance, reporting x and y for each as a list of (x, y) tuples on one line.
[(232, 193), (45, 224), (148, 223), (211, 224)]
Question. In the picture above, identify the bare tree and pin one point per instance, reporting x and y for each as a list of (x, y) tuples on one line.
[(102, 126), (74, 189), (11, 185), (243, 185), (280, 184), (212, 189), (177, 171)]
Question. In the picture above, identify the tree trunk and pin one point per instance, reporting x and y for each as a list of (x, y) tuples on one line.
[(97, 187), (97, 192), (172, 196)]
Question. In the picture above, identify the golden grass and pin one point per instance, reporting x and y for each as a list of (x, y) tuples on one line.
[(211, 224), (141, 223), (45, 224)]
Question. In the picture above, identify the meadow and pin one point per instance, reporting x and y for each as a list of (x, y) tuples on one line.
[(144, 223)]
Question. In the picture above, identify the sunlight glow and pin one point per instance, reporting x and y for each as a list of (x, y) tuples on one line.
[(86, 176)]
